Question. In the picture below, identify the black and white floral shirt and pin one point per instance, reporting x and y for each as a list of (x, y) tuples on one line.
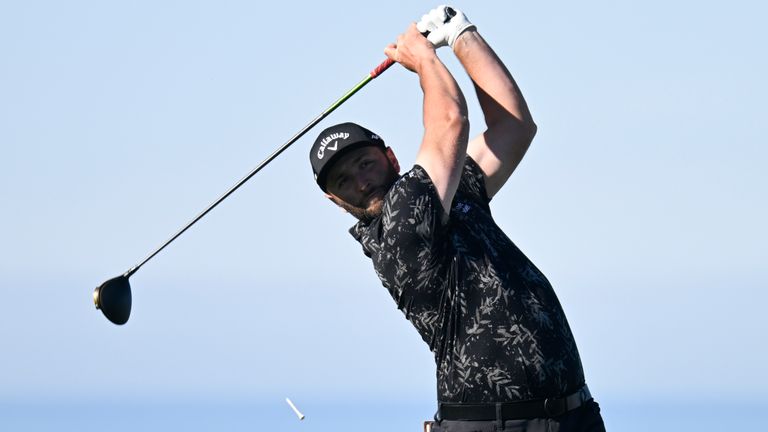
[(489, 315)]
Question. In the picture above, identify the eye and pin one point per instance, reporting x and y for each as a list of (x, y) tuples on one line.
[(365, 163)]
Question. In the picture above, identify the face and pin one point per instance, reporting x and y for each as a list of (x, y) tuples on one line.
[(360, 179)]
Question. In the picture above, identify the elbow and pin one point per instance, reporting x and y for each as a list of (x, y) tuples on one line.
[(457, 121), (529, 131), (525, 134), (523, 127), (519, 129), (515, 132), (524, 131)]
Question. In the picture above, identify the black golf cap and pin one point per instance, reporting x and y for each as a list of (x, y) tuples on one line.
[(333, 142)]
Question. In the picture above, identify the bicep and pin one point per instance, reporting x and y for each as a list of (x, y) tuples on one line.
[(442, 154)]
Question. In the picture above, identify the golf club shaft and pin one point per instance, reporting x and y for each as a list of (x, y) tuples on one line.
[(373, 74)]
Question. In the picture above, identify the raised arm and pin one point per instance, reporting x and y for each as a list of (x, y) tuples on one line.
[(510, 128), (446, 128)]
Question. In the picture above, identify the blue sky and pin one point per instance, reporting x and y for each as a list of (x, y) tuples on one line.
[(642, 197)]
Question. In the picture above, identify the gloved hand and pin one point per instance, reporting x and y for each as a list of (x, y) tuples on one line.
[(443, 33)]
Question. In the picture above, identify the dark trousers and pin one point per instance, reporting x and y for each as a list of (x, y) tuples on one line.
[(586, 418)]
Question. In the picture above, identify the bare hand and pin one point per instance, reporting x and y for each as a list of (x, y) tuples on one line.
[(411, 49)]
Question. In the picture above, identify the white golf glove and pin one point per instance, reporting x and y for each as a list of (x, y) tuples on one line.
[(443, 33)]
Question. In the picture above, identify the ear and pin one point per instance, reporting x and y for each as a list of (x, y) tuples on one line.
[(392, 158)]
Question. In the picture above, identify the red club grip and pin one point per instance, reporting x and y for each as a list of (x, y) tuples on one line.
[(382, 67)]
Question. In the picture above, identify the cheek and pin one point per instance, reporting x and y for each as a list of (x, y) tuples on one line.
[(346, 197), (387, 174), (380, 173)]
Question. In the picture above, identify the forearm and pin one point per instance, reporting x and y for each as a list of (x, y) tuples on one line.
[(500, 98), (510, 128), (446, 127), (445, 110)]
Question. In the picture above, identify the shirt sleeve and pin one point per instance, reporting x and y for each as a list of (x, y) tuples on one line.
[(472, 184), (413, 238)]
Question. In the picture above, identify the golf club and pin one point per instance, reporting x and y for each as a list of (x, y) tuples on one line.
[(113, 297)]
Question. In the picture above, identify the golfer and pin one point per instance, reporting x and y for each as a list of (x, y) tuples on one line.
[(505, 355)]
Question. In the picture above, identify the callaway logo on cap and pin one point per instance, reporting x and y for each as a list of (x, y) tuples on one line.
[(324, 143), (334, 142)]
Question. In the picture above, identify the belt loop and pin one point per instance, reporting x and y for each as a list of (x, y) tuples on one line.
[(499, 417)]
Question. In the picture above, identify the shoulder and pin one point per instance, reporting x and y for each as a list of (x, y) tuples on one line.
[(415, 181), (413, 199), (416, 190)]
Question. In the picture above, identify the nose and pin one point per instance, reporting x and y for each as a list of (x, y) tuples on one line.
[(363, 184)]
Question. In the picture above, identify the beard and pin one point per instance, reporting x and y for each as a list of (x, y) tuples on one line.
[(365, 214), (375, 204)]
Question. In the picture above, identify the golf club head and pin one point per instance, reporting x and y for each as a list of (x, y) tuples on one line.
[(113, 297)]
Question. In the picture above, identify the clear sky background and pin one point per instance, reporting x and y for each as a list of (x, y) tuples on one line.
[(642, 198)]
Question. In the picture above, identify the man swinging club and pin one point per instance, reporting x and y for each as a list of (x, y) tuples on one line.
[(505, 354)]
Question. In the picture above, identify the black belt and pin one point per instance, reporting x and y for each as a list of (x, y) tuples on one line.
[(527, 409)]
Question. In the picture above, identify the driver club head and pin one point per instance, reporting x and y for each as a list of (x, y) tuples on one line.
[(113, 297)]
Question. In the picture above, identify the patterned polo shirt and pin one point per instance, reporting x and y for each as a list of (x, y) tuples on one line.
[(490, 317)]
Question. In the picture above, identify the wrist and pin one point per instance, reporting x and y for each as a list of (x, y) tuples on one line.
[(465, 39), (426, 62), (465, 34)]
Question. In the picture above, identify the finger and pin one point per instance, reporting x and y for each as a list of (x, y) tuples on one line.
[(391, 51), (424, 24), (437, 15)]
